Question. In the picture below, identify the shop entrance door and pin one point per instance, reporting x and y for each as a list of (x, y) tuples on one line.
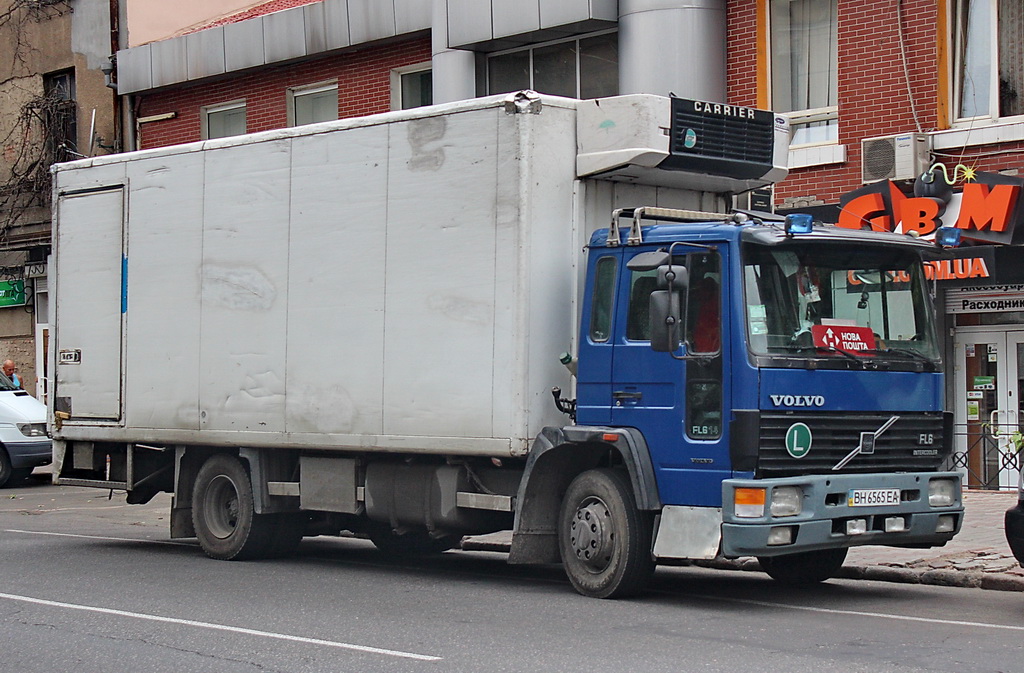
[(989, 414)]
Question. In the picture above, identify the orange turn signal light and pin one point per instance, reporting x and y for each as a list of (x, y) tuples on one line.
[(749, 496)]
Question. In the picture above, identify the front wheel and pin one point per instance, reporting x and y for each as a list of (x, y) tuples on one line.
[(809, 567), (8, 475), (604, 540)]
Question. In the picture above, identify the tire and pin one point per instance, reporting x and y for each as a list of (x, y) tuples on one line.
[(411, 544), (225, 521), (809, 567), (604, 540), (6, 471)]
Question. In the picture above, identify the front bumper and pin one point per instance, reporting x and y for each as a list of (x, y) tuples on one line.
[(30, 454), (824, 522), (1015, 531)]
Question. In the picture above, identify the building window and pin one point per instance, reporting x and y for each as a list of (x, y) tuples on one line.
[(586, 67), (312, 104), (60, 116), (412, 86), (988, 58), (221, 121), (804, 63)]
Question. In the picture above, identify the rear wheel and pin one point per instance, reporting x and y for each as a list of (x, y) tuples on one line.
[(225, 521), (604, 540), (809, 567)]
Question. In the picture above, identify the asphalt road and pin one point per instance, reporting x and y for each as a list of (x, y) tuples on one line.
[(90, 584)]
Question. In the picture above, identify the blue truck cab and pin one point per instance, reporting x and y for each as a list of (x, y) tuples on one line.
[(776, 394)]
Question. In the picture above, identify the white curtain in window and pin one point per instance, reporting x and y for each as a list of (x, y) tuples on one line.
[(804, 57), (974, 52), (1011, 57)]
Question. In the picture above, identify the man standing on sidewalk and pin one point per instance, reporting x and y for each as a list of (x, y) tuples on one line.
[(11, 372)]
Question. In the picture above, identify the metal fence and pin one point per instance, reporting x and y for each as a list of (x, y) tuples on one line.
[(988, 455)]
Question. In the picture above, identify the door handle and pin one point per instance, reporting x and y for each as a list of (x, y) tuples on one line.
[(627, 395)]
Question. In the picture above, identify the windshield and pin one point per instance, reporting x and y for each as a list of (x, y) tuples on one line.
[(837, 299)]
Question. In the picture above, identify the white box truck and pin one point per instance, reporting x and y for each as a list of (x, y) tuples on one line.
[(356, 327)]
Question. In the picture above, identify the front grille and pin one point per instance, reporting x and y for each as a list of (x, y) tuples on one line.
[(901, 448)]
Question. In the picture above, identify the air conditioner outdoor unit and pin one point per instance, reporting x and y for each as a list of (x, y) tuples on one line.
[(899, 157)]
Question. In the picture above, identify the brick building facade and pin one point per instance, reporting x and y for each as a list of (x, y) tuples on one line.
[(363, 83)]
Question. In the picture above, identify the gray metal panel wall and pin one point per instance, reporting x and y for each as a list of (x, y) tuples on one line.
[(243, 45), (204, 53), (284, 35), (314, 31), (135, 69), (469, 21), (370, 20), (169, 64), (560, 12), (411, 15), (514, 17), (336, 22)]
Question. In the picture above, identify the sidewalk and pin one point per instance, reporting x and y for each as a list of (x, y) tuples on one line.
[(977, 557)]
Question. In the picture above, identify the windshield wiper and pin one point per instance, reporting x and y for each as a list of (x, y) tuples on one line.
[(902, 351), (828, 349)]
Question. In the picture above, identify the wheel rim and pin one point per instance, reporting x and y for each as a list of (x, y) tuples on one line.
[(592, 534), (221, 505)]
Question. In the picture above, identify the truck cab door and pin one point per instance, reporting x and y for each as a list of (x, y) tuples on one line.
[(596, 342), (678, 405)]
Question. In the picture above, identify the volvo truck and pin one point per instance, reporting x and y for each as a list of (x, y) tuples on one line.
[(519, 313)]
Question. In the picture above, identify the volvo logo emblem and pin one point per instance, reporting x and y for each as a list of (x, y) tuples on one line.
[(798, 400)]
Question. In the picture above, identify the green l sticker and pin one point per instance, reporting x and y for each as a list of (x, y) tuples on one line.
[(798, 440)]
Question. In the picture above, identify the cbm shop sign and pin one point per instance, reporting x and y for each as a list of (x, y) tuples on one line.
[(988, 208)]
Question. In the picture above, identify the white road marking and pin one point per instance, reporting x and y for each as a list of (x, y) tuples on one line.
[(222, 627), (98, 537), (858, 613)]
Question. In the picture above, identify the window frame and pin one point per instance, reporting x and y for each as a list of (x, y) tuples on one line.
[(808, 116), (397, 74), (529, 49), (296, 93), (957, 54), (207, 110)]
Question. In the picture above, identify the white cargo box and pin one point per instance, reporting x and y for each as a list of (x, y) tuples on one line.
[(403, 282), (400, 282)]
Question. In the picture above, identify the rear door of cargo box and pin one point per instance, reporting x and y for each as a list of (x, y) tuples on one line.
[(91, 302)]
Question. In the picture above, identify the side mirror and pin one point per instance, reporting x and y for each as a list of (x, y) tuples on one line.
[(665, 308), (674, 277), (648, 261), (666, 321)]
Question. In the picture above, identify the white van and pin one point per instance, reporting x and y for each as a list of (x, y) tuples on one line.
[(24, 444)]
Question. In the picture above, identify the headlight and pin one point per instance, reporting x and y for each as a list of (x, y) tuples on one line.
[(941, 492), (787, 500), (32, 429)]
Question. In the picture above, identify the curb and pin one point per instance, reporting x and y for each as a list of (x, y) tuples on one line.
[(877, 573)]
